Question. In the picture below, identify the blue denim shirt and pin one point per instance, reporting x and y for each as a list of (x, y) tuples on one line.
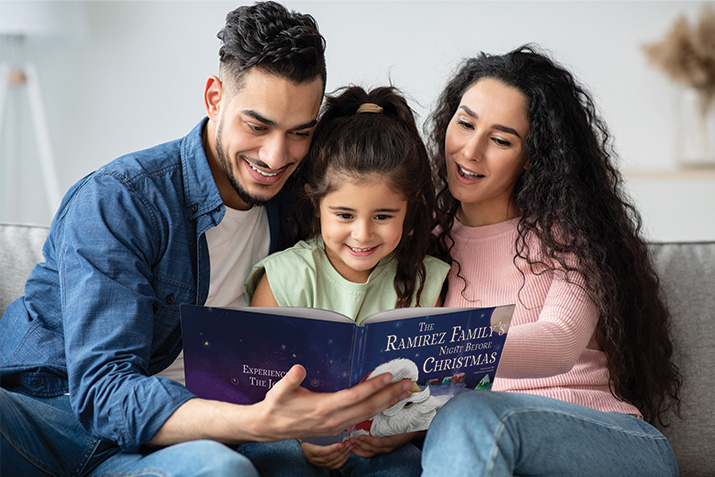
[(101, 314)]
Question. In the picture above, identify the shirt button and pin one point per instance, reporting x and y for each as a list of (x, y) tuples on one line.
[(170, 299), (195, 208)]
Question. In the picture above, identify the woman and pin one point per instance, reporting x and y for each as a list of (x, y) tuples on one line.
[(533, 214)]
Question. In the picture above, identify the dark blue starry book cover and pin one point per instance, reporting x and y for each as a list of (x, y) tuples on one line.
[(237, 355)]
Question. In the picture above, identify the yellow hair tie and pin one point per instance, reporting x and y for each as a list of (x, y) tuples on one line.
[(369, 108)]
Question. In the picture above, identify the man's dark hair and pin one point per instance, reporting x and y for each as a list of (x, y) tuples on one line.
[(282, 42)]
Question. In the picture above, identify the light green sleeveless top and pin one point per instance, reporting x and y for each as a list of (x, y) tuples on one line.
[(303, 276)]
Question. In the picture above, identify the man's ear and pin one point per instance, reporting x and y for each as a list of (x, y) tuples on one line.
[(213, 94)]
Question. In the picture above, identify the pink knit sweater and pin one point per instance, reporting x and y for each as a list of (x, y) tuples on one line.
[(551, 349)]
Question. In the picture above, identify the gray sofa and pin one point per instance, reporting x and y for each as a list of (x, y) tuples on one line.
[(687, 271)]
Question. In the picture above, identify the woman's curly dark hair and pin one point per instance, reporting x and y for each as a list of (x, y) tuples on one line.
[(350, 146), (571, 198)]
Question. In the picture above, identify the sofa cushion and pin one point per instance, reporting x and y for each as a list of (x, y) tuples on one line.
[(20, 251), (687, 274)]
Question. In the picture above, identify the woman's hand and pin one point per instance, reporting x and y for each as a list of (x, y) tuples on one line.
[(369, 446), (332, 456)]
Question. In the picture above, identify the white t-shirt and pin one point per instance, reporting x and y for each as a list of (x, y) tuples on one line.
[(240, 240), (236, 244)]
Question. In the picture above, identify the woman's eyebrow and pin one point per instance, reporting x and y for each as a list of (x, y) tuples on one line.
[(498, 127)]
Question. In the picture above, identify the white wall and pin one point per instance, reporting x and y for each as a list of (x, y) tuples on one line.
[(137, 80)]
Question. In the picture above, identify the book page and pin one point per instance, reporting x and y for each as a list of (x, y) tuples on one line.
[(402, 313), (298, 312)]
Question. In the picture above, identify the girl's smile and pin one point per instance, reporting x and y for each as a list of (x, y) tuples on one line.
[(361, 252)]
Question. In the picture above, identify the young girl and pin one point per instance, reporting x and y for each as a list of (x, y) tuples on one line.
[(366, 216), (533, 214)]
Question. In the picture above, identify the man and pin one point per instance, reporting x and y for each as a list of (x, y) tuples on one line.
[(175, 224)]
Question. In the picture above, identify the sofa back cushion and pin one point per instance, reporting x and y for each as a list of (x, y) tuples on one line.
[(687, 274)]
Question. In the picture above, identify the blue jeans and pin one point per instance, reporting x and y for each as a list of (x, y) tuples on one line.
[(498, 434), (286, 459), (191, 459), (42, 436)]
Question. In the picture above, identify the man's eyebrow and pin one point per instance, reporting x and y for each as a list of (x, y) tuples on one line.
[(307, 125), (498, 127), (269, 122), (259, 117)]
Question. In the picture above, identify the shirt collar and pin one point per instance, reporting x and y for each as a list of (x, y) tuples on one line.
[(200, 189)]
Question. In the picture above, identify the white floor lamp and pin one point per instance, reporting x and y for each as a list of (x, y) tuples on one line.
[(21, 21)]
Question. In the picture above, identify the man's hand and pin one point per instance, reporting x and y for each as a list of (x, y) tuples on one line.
[(291, 411), (369, 446), (287, 412)]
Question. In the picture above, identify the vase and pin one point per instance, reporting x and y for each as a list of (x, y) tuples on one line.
[(696, 139)]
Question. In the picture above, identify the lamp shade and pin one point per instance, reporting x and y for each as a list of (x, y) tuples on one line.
[(43, 20)]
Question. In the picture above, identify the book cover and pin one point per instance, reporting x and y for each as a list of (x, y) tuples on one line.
[(237, 355)]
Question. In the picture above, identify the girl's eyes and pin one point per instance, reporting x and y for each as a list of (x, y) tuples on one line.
[(378, 217)]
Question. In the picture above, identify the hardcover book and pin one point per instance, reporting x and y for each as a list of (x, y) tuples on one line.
[(237, 355)]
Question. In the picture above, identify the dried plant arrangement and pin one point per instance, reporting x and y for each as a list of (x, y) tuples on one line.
[(687, 56), (687, 53)]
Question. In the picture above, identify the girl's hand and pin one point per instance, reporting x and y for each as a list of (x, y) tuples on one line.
[(369, 446), (332, 456)]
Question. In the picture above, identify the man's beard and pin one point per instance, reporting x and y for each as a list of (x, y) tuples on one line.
[(228, 172)]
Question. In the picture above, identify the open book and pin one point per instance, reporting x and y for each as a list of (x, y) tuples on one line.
[(237, 355)]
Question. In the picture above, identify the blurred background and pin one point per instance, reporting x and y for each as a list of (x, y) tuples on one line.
[(98, 79)]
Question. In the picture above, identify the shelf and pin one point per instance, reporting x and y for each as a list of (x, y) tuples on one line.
[(681, 173)]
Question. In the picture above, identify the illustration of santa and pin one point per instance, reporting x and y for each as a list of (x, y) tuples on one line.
[(411, 414)]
